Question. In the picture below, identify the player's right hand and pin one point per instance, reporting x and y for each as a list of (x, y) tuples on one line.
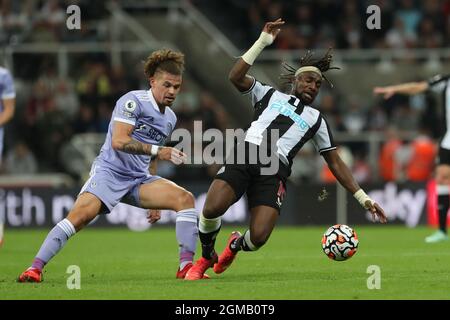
[(171, 154), (153, 215), (273, 28), (376, 211)]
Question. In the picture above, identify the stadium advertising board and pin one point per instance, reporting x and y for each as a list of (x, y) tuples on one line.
[(304, 205)]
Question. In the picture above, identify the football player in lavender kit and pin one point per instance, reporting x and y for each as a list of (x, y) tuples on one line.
[(140, 123), (7, 105)]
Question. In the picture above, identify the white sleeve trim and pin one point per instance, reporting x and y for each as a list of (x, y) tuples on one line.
[(9, 96), (251, 87), (125, 121), (326, 149)]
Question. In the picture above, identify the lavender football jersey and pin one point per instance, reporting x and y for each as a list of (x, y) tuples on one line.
[(139, 109), (7, 91)]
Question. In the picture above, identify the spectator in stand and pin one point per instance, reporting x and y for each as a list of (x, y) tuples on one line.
[(387, 161), (211, 112), (361, 169), (429, 36), (20, 160), (423, 151), (51, 22), (398, 37), (410, 15), (85, 121)]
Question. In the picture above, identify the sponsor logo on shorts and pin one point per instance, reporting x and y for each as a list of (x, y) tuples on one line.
[(281, 193)]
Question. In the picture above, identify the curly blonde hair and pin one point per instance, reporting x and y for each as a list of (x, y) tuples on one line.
[(164, 60)]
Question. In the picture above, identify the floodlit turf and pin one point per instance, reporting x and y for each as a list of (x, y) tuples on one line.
[(120, 264)]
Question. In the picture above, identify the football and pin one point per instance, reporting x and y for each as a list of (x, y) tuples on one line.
[(340, 242)]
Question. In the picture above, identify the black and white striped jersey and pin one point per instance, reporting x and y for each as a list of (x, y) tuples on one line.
[(441, 85), (294, 123)]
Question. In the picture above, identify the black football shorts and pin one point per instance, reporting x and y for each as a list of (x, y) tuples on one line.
[(267, 190), (443, 156)]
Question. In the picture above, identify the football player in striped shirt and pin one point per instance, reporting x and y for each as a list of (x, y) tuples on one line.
[(281, 126), (439, 84)]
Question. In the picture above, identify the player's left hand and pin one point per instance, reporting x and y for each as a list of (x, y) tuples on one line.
[(153, 215), (273, 28), (172, 154), (376, 211)]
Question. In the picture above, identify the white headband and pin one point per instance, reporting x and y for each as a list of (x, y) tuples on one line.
[(308, 68)]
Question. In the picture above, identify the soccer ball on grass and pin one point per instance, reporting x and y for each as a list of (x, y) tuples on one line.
[(340, 242)]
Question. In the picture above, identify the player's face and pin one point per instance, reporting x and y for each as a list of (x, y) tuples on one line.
[(165, 87), (307, 86)]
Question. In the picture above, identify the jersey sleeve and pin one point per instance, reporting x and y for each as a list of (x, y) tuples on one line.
[(127, 109), (438, 82), (323, 139), (257, 91), (7, 85)]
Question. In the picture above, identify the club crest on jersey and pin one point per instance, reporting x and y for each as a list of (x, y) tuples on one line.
[(130, 105), (169, 128)]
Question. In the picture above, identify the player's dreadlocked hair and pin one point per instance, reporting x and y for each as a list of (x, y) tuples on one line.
[(164, 60), (322, 64)]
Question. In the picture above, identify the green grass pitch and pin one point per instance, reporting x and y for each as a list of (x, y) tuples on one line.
[(120, 264)]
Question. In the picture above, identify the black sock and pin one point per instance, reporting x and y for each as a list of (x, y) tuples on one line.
[(239, 244), (443, 204), (236, 245), (208, 241)]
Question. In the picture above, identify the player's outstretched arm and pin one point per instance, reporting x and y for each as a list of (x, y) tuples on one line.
[(410, 88), (122, 141), (238, 73), (345, 178)]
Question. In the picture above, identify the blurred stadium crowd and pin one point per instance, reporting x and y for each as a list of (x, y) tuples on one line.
[(51, 110), (340, 24)]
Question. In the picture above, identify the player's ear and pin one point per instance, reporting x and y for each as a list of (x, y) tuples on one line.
[(151, 81)]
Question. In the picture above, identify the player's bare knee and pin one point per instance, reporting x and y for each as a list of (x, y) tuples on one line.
[(185, 200), (212, 211), (77, 218), (258, 240), (81, 215)]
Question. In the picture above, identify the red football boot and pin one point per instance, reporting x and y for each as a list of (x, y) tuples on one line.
[(227, 256), (197, 271), (181, 274), (30, 275)]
